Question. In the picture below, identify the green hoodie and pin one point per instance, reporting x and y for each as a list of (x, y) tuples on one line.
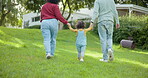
[(105, 10)]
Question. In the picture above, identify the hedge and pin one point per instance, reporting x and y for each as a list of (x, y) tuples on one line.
[(135, 27), (33, 27)]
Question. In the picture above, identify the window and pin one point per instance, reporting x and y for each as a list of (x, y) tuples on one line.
[(34, 19)]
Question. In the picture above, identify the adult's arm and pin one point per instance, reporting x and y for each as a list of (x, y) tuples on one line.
[(59, 16), (95, 11), (114, 10)]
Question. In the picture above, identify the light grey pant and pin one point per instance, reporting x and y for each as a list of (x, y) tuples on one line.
[(105, 30), (81, 50), (49, 28)]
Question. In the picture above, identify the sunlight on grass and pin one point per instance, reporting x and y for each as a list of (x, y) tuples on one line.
[(139, 52), (12, 44), (28, 60), (93, 54), (133, 62), (18, 40), (38, 45), (1, 32), (11, 41)]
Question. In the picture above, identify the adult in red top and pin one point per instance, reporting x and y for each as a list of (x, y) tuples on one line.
[(50, 14), (51, 10)]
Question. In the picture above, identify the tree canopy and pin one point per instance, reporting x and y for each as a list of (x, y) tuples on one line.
[(70, 5), (143, 3), (12, 10)]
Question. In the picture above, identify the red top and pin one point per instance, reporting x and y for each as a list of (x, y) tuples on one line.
[(50, 11)]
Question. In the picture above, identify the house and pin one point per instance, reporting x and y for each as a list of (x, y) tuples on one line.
[(128, 9), (32, 19)]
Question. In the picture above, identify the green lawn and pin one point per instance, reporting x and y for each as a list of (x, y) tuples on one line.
[(22, 55)]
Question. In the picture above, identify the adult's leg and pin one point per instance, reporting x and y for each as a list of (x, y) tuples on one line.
[(54, 32), (46, 35), (103, 39), (109, 26)]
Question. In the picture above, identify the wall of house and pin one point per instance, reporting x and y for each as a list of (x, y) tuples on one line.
[(29, 19)]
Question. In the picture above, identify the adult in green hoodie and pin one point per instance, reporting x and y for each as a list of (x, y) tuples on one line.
[(105, 11)]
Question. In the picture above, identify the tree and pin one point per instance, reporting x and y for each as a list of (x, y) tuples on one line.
[(9, 12), (67, 5), (74, 5), (136, 2)]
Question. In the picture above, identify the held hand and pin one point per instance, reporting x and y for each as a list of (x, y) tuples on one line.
[(117, 26), (91, 24), (68, 24)]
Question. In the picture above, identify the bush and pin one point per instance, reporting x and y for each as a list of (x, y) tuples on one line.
[(134, 26), (34, 27)]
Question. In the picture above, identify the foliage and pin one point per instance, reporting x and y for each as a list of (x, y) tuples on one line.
[(22, 55), (136, 2), (134, 26), (10, 12), (67, 5), (33, 27)]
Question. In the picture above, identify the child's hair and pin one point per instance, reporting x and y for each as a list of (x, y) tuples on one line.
[(80, 25), (53, 1)]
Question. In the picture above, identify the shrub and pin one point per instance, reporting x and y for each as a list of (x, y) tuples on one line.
[(34, 27), (134, 26)]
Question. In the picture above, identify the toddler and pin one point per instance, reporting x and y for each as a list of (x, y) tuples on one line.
[(81, 38)]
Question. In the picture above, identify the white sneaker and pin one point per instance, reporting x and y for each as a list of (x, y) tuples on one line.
[(81, 60), (103, 60), (48, 56), (111, 55)]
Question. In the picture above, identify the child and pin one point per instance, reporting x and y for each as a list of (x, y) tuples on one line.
[(81, 38)]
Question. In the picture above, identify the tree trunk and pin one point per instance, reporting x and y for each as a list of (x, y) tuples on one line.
[(69, 10), (64, 6), (2, 19), (3, 15)]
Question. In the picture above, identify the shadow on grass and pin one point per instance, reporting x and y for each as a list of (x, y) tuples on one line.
[(96, 56)]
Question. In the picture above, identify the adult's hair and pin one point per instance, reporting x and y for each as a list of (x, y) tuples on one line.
[(80, 25), (53, 1)]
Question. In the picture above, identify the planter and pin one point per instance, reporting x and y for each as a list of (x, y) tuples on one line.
[(127, 44)]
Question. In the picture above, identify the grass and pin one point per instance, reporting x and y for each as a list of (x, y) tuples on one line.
[(22, 56)]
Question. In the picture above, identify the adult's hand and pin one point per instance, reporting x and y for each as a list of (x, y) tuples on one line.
[(68, 24), (91, 24), (117, 26)]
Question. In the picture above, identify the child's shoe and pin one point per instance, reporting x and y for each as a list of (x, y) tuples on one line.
[(103, 60), (48, 56), (111, 55)]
